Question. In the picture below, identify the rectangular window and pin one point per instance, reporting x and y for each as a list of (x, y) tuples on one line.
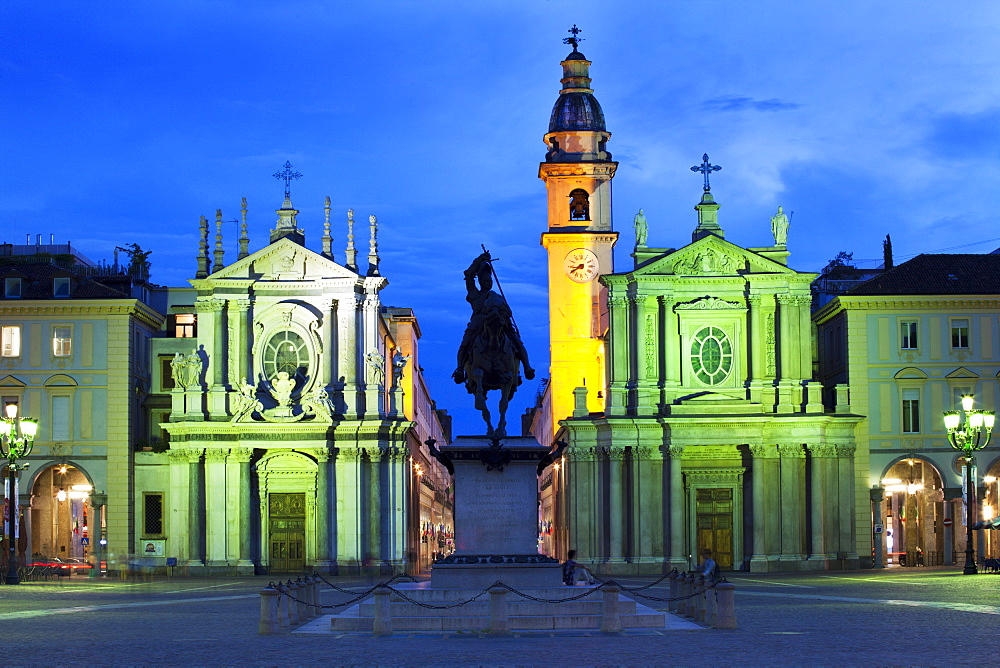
[(185, 325), (166, 373), (60, 418), (62, 341), (960, 333), (152, 514), (11, 341), (60, 287), (908, 335), (12, 288), (911, 411)]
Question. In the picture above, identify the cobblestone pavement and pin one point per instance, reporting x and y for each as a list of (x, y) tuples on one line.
[(932, 616)]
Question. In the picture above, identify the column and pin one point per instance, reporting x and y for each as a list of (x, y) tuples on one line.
[(395, 509), (581, 465), (179, 502), (671, 347), (374, 519), (877, 495), (676, 528), (793, 501), (647, 504), (787, 353), (347, 468), (97, 503), (755, 346), (949, 531), (322, 456), (803, 304), (196, 507), (766, 508), (647, 354), (239, 342), (238, 465), (619, 371), (845, 470), (329, 356), (823, 511), (217, 518), (616, 515), (345, 396)]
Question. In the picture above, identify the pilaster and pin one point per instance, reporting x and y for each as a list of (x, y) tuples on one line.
[(676, 528), (793, 501), (766, 508), (238, 493), (217, 499)]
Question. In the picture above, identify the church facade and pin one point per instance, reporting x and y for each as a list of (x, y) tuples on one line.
[(293, 405), (683, 387)]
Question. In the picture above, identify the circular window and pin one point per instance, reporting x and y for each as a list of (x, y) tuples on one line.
[(286, 351), (711, 355)]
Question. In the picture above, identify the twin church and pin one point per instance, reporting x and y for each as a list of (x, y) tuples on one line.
[(271, 417)]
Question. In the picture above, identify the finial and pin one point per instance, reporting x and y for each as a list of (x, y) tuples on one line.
[(202, 270), (327, 239), (706, 168), (287, 176), (244, 237), (351, 254), (573, 41), (219, 251), (373, 246)]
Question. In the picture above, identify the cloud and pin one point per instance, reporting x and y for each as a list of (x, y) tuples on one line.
[(742, 103)]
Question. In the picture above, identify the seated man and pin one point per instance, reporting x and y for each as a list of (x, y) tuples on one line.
[(574, 572)]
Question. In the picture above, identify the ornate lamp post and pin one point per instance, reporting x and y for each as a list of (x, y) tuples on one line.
[(16, 437), (973, 435)]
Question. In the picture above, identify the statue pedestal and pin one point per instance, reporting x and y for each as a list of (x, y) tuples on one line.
[(496, 517)]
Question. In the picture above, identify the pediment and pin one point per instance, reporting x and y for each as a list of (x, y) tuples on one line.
[(11, 381), (60, 380), (709, 303), (962, 372), (911, 373), (712, 256), (283, 260)]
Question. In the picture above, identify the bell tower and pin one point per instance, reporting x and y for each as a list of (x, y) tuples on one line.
[(577, 172)]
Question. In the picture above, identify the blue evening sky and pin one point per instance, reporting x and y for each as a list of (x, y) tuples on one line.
[(124, 122)]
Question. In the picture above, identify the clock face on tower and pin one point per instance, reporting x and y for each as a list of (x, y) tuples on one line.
[(581, 265)]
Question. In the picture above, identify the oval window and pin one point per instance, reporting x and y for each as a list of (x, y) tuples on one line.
[(711, 355)]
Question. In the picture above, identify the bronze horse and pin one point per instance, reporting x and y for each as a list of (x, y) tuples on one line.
[(491, 354)]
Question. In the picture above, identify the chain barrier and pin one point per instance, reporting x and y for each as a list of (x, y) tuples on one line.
[(350, 591), (359, 596)]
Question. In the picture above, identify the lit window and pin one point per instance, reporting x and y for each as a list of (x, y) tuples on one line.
[(62, 341), (11, 341), (908, 335), (960, 333), (60, 287), (911, 411), (184, 325), (12, 288)]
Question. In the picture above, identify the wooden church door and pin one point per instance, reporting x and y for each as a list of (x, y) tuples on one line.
[(287, 517), (714, 518)]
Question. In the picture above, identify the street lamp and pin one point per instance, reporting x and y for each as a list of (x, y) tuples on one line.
[(968, 438), (16, 437)]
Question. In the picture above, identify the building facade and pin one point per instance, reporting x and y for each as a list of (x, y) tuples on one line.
[(294, 411), (910, 343)]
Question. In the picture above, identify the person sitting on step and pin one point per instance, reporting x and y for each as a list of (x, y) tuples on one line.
[(574, 572)]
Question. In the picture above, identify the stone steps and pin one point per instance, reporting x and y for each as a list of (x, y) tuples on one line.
[(514, 608)]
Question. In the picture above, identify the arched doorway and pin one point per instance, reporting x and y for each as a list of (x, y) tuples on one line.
[(60, 513), (914, 507), (989, 509)]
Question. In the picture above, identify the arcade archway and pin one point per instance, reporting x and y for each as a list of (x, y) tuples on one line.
[(913, 512), (60, 513)]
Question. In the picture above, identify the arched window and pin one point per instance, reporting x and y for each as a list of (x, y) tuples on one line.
[(579, 205)]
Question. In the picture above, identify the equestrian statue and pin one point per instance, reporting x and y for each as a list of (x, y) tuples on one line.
[(491, 354)]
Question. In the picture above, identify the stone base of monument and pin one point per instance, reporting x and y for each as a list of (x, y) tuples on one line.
[(496, 517)]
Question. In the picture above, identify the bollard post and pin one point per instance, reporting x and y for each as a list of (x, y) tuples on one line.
[(382, 624), (269, 612), (499, 622), (293, 608), (699, 599), (283, 602), (304, 603), (611, 617), (711, 606), (687, 592), (317, 606), (725, 618), (674, 591)]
